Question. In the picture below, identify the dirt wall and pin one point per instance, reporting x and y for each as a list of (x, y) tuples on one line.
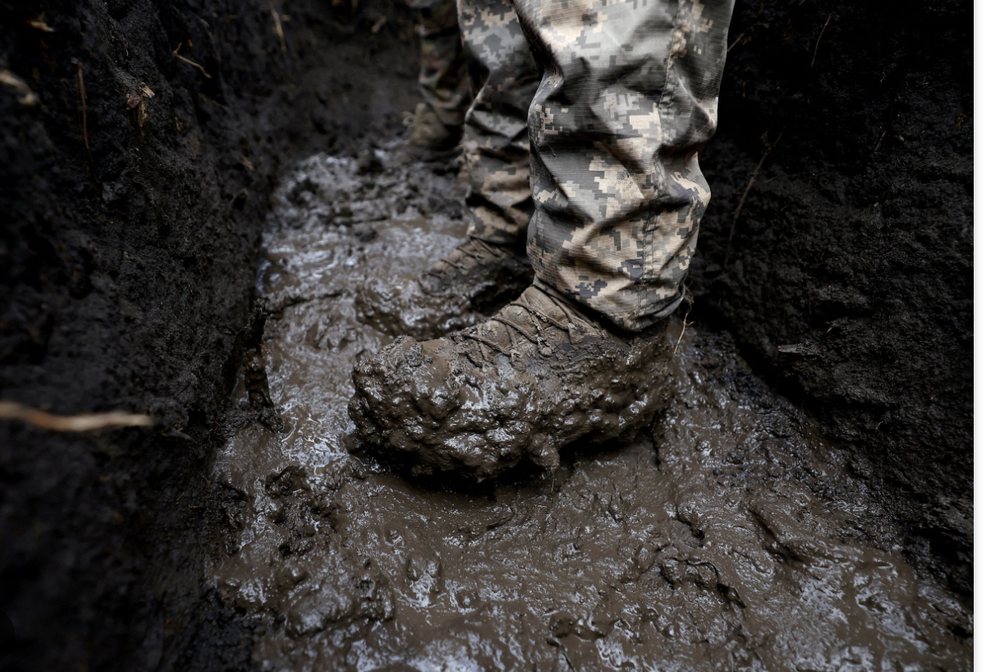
[(137, 158), (849, 274)]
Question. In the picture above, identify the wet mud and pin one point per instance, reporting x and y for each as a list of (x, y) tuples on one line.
[(727, 535), (449, 298), (536, 377)]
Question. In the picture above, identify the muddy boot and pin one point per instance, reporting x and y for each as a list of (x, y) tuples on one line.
[(519, 387), (428, 138), (474, 280)]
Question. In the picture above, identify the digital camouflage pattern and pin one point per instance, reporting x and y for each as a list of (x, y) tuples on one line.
[(443, 75), (504, 79), (628, 95)]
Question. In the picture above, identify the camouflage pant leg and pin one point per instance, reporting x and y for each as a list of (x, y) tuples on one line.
[(443, 74), (628, 96), (504, 79)]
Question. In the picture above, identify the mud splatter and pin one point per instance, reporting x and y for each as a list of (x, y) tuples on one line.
[(731, 536)]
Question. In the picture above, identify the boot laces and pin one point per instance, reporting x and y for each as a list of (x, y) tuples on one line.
[(424, 127), (538, 320), (472, 248)]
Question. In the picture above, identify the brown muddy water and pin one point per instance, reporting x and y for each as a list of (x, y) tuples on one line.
[(728, 536)]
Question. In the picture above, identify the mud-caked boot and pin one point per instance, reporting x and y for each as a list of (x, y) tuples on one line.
[(520, 386), (428, 138), (474, 280)]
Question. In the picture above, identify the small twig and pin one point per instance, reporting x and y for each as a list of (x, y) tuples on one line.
[(86, 422), (879, 143), (83, 106), (816, 48), (735, 42), (743, 198), (278, 29), (189, 61), (683, 326)]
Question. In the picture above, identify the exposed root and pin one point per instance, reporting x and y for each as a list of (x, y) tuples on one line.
[(823, 30), (241, 195), (83, 108), (190, 62), (684, 327), (28, 96), (743, 198), (879, 143), (279, 31), (85, 422)]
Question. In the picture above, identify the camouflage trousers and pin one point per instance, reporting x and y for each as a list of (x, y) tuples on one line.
[(583, 139), (443, 76)]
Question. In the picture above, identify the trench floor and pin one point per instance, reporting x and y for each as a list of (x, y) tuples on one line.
[(730, 535)]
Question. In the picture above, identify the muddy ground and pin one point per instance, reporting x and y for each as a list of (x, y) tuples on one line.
[(734, 536), (807, 500)]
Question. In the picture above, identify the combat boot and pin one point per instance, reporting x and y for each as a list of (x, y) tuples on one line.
[(518, 387), (474, 280), (428, 138)]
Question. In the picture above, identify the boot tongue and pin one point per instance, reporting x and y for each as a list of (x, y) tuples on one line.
[(556, 307), (467, 255), (544, 304), (540, 321), (547, 310)]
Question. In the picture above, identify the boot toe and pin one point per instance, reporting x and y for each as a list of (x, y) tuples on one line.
[(402, 395)]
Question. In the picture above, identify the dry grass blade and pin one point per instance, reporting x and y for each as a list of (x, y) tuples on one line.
[(85, 422)]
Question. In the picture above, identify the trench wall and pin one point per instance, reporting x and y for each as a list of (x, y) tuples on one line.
[(133, 191), (848, 280)]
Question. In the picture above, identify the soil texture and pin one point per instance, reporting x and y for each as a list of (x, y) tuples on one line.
[(732, 535), (805, 502), (838, 245)]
